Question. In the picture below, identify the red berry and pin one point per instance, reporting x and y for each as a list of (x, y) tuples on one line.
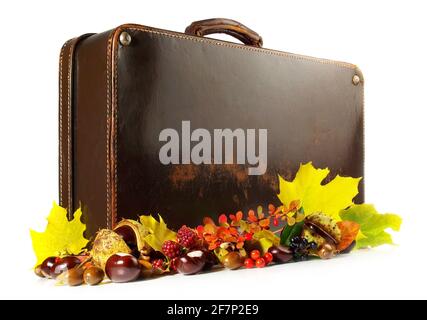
[(249, 263), (187, 237), (275, 222), (248, 236), (255, 254), (158, 264), (171, 249), (268, 257), (260, 263), (174, 264)]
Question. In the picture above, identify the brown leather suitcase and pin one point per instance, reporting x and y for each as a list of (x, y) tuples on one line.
[(155, 121)]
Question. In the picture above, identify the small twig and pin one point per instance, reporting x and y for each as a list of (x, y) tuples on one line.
[(88, 259)]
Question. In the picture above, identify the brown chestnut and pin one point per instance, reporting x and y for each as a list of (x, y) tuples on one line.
[(281, 254), (211, 259), (121, 267), (192, 262), (93, 276), (233, 260), (47, 266), (349, 248), (64, 264)]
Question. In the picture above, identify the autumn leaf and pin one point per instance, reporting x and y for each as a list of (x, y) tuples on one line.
[(158, 232), (266, 240), (222, 219), (61, 237), (349, 231), (290, 231), (328, 198), (264, 222), (372, 225)]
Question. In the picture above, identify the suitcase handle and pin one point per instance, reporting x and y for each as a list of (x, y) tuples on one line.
[(231, 27)]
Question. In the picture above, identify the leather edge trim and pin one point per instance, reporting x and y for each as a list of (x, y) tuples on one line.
[(111, 152), (61, 58), (68, 67), (114, 118), (65, 102), (359, 73), (69, 127)]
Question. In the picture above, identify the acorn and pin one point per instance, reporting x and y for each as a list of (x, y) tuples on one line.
[(327, 251), (321, 229), (93, 276), (106, 244), (233, 260)]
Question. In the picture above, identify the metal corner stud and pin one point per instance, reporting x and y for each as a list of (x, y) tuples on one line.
[(125, 39), (356, 79)]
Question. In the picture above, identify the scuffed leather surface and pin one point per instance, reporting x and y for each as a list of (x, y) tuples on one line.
[(312, 112)]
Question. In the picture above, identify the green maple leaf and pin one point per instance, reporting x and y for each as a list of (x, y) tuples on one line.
[(372, 225)]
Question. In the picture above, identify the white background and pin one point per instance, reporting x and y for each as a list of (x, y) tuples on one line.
[(386, 39)]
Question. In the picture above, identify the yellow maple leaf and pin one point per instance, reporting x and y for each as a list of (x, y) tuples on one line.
[(158, 232), (329, 198), (61, 236)]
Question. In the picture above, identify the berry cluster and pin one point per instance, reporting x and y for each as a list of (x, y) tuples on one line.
[(171, 249), (158, 264), (256, 260), (301, 248), (187, 241), (187, 237)]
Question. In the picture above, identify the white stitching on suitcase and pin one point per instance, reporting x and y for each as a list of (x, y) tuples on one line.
[(70, 207), (116, 112), (108, 130), (60, 121)]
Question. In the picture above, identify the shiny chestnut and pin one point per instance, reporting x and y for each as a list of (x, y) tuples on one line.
[(349, 248), (281, 254), (47, 266), (64, 264), (122, 267), (192, 262)]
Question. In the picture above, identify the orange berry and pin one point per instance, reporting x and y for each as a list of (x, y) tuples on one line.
[(249, 263), (260, 263), (268, 257), (255, 254)]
